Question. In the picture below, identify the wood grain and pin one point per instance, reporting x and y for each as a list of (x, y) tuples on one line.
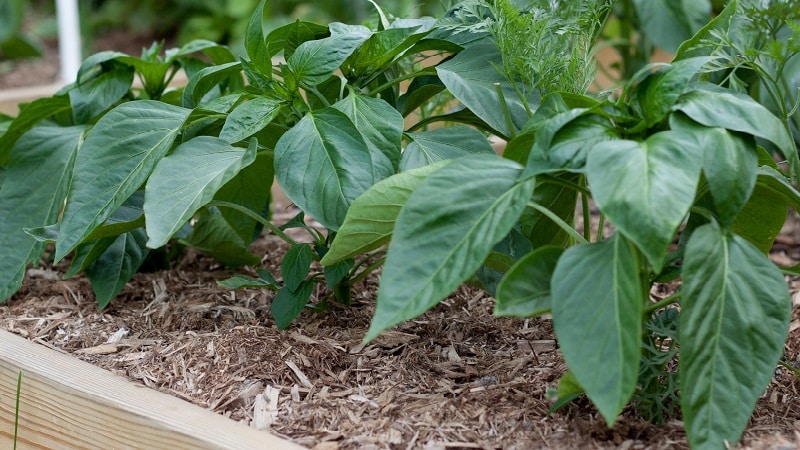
[(66, 403)]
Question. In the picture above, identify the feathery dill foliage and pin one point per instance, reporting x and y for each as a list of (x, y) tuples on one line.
[(548, 44)]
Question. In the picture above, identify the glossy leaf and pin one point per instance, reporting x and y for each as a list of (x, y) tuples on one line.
[(314, 61), (255, 41), (206, 79), (597, 303), (30, 114), (654, 97), (187, 179), (248, 118), (287, 304), (381, 126), (118, 155), (383, 47), (734, 320), (370, 219), (295, 265), (116, 266), (323, 164), (32, 195), (525, 289), (428, 147), (646, 188), (444, 233), (471, 76), (93, 97)]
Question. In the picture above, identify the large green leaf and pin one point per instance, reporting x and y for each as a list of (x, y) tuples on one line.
[(249, 118), (667, 23), (116, 266), (658, 92), (213, 234), (428, 147), (380, 125), (29, 115), (597, 314), (31, 195), (250, 188), (472, 76), (91, 98), (370, 220), (763, 216), (314, 61), (734, 320), (713, 106), (187, 179), (323, 164), (384, 46), (525, 289), (730, 164), (444, 233), (646, 188), (115, 160)]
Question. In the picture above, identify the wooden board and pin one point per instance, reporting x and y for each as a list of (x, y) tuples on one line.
[(66, 403)]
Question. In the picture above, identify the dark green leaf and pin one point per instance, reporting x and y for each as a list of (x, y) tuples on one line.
[(249, 188), (428, 147), (201, 83), (655, 95), (668, 23), (255, 43), (734, 320), (370, 219), (597, 303), (314, 61), (646, 188), (295, 265), (187, 179), (264, 280), (444, 233), (472, 77), (381, 126), (383, 47), (419, 91), (560, 200), (337, 272), (248, 118), (212, 234), (287, 38), (696, 46), (323, 164), (31, 195), (93, 97), (287, 304), (525, 290), (117, 265), (117, 157)]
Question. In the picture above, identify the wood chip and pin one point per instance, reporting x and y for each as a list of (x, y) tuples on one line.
[(102, 349), (301, 377), (265, 408)]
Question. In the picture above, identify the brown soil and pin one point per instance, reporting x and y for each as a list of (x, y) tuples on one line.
[(456, 377)]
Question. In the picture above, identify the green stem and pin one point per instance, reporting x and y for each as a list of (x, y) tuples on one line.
[(398, 80), (367, 270), (559, 221), (318, 94), (666, 301), (600, 227), (247, 212), (587, 214)]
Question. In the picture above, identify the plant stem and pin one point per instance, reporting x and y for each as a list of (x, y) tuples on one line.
[(318, 94), (663, 302), (559, 221), (275, 230), (398, 80), (367, 270), (587, 214)]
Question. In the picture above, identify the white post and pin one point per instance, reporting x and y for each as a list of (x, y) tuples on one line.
[(69, 39)]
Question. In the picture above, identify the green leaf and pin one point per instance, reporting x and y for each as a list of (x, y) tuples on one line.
[(323, 164), (730, 165), (713, 106), (444, 233), (315, 61), (381, 126), (91, 98), (421, 89), (255, 42), (248, 118), (118, 155), (250, 188), (472, 77), (657, 93), (667, 23), (696, 46), (646, 188), (295, 265), (525, 290), (213, 234), (287, 304), (763, 216), (187, 179), (560, 200), (35, 185), (383, 47), (370, 219), (734, 321), (29, 115), (428, 147), (288, 37), (337, 273), (597, 303), (264, 280), (117, 265), (206, 79)]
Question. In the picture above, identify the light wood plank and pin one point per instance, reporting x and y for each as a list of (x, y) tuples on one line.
[(66, 403)]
